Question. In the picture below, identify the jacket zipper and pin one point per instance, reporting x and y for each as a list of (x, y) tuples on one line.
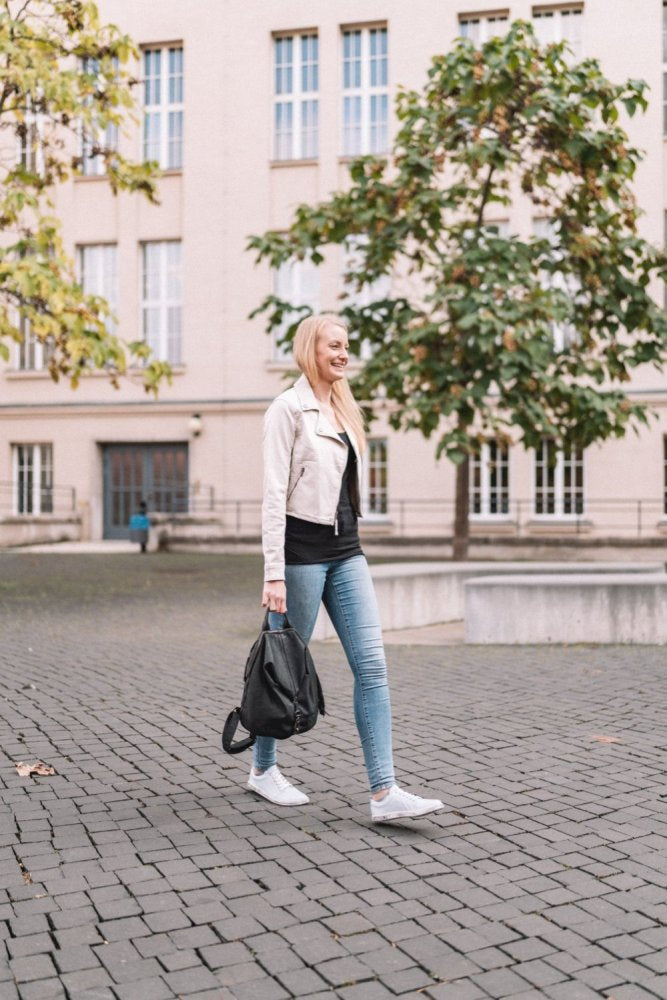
[(296, 483)]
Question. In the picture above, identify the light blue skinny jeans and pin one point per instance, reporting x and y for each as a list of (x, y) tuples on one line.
[(347, 590)]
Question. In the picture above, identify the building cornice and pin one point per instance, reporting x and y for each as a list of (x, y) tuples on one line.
[(222, 404), (140, 406)]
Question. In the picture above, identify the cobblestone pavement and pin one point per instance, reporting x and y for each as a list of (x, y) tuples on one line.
[(144, 870)]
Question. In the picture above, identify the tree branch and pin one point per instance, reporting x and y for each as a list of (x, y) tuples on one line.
[(485, 195)]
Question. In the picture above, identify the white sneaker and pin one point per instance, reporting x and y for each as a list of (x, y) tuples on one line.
[(398, 804), (276, 788)]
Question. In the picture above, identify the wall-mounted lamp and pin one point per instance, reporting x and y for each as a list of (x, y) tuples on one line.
[(195, 424)]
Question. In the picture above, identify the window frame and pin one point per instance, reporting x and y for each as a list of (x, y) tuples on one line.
[(94, 166), (163, 108), (365, 92), (369, 464), (484, 20), (41, 351), (112, 296), (164, 302), (559, 490), (297, 98), (351, 248), (30, 147), (298, 295), (543, 12), (565, 335), (38, 494), (484, 461)]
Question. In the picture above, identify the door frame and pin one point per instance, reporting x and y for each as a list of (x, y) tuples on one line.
[(146, 449)]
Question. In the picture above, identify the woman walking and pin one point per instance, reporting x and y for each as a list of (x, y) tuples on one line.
[(313, 440)]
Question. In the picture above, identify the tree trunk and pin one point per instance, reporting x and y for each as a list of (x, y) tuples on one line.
[(461, 512)]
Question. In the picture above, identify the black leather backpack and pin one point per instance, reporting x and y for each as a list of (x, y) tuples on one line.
[(282, 694)]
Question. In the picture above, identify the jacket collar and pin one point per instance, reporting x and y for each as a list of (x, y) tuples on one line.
[(309, 401), (304, 390)]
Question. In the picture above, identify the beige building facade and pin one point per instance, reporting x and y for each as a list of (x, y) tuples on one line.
[(252, 108)]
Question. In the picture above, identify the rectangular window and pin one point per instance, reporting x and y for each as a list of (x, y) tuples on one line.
[(97, 274), (163, 106), (295, 103), (559, 481), (479, 28), (359, 298), (33, 354), (33, 478), (489, 480), (375, 499), (161, 299), (565, 334), (296, 282), (365, 91), (562, 24), (92, 146), (30, 137)]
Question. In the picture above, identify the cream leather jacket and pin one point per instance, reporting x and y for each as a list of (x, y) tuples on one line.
[(304, 462)]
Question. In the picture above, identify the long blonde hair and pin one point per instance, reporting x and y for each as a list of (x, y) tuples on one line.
[(343, 402)]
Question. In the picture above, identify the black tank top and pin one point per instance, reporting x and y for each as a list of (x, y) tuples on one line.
[(307, 542)]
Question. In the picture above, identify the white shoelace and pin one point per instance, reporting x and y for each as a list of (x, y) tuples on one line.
[(280, 780), (407, 798)]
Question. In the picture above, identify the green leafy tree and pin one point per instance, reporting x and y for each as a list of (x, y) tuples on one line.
[(490, 335), (65, 90)]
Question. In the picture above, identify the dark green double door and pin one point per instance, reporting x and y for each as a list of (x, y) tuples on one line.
[(155, 473)]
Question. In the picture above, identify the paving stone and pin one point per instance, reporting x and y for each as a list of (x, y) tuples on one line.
[(301, 982), (75, 958), (406, 980), (30, 944), (458, 990), (32, 967), (220, 955), (191, 980), (126, 929), (91, 980), (145, 989), (570, 991), (500, 983), (338, 971), (365, 991), (43, 989), (184, 959)]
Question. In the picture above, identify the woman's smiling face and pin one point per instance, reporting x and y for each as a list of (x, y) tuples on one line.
[(331, 353)]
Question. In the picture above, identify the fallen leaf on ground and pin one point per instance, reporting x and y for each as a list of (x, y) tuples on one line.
[(607, 739), (39, 767)]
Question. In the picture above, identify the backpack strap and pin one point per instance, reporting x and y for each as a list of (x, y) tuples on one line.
[(231, 725), (320, 696), (306, 674)]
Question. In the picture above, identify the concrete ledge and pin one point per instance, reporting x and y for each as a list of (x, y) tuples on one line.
[(425, 593), (23, 529), (572, 607)]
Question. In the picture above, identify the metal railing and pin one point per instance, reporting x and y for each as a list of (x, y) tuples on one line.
[(59, 501), (409, 517), (418, 517)]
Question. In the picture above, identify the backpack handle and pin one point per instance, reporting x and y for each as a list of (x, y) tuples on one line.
[(231, 725), (265, 623)]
